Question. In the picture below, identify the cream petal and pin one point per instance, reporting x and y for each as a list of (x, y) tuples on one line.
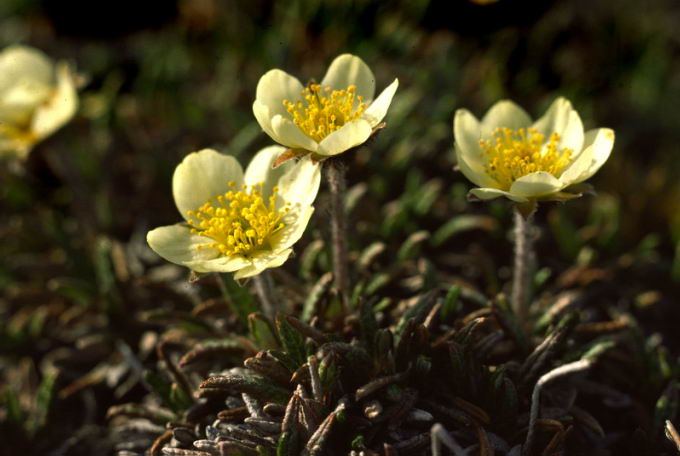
[(263, 261), (572, 135), (473, 174), (220, 264), (349, 135), (597, 147), (178, 245), (348, 70), (260, 171), (295, 223), (471, 160), (492, 193), (203, 175), (506, 114), (290, 134), (274, 87), (562, 119), (300, 183), (264, 118), (536, 184), (22, 63), (18, 102), (59, 108), (377, 110)]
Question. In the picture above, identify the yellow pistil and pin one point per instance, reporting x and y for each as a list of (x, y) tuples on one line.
[(240, 222), (324, 110), (516, 153)]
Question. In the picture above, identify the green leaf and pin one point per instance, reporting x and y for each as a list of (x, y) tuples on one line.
[(319, 289), (292, 341), (241, 301), (410, 246), (15, 414), (461, 223), (451, 304), (44, 397), (262, 331), (369, 326)]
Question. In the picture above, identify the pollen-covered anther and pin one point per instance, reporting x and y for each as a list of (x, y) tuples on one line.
[(516, 153), (324, 111), (239, 222)]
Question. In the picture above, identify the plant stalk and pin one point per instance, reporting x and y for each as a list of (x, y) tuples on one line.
[(522, 267), (265, 291), (335, 174)]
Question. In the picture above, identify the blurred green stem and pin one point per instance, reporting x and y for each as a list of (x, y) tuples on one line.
[(335, 174), (523, 255), (265, 291)]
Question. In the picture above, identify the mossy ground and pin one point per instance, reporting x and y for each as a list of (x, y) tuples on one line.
[(91, 319)]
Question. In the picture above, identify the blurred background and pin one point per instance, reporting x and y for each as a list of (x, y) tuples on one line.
[(161, 78)]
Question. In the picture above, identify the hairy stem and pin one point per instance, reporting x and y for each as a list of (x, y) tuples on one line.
[(264, 289), (557, 373), (522, 267), (335, 174)]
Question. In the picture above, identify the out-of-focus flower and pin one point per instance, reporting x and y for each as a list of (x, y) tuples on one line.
[(507, 155), (36, 98), (325, 119), (236, 222)]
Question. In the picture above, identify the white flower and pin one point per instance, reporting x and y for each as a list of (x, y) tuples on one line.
[(36, 98), (327, 118), (507, 155), (234, 221)]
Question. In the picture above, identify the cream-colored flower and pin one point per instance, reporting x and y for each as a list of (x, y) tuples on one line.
[(236, 222), (327, 118), (36, 98), (507, 155)]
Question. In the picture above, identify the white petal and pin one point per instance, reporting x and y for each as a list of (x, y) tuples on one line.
[(295, 224), (471, 160), (22, 63), (264, 118), (572, 135), (348, 70), (289, 134), (536, 184), (178, 245), (492, 193), (300, 184), (504, 113), (60, 106), (597, 146), (274, 87), (349, 135), (263, 261), (377, 110), (203, 175), (260, 169), (562, 119)]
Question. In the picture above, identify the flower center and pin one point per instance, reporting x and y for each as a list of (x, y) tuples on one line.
[(516, 153), (240, 222), (324, 110)]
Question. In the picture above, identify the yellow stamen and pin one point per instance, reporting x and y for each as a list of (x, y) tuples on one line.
[(324, 110), (516, 153), (240, 222)]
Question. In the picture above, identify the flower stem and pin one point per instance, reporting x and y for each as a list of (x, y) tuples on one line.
[(264, 289), (335, 174), (521, 272)]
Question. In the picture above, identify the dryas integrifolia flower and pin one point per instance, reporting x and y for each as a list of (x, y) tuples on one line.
[(235, 221), (37, 97), (507, 155), (325, 119)]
